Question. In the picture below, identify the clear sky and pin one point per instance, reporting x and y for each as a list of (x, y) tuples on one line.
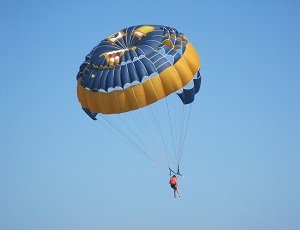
[(61, 170)]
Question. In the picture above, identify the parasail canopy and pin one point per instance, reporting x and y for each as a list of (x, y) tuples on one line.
[(132, 75), (136, 67)]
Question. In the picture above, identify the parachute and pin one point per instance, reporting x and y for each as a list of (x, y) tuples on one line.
[(140, 82)]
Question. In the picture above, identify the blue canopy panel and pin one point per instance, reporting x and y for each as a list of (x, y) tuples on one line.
[(91, 114), (141, 58), (187, 94)]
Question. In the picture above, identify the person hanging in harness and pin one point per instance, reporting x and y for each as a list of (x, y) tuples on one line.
[(174, 185)]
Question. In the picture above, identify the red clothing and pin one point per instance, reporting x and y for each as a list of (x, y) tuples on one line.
[(173, 180)]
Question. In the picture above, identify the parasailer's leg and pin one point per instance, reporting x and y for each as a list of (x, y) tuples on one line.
[(176, 190)]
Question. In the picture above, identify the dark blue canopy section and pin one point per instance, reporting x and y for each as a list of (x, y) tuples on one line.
[(188, 94), (91, 114), (127, 57)]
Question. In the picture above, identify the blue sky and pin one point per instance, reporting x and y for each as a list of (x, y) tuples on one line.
[(61, 170)]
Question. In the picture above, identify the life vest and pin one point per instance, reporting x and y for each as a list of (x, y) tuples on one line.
[(173, 180)]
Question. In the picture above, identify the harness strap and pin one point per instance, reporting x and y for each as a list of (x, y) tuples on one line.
[(176, 173)]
